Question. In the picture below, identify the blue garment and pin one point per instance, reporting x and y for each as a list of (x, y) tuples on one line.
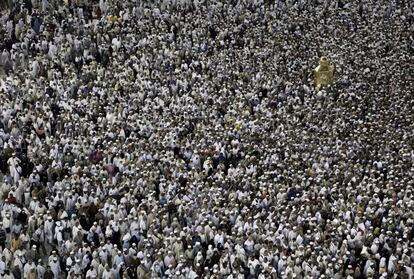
[(125, 245), (36, 25)]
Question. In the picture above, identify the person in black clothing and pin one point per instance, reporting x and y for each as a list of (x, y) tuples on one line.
[(17, 274), (48, 273), (2, 235)]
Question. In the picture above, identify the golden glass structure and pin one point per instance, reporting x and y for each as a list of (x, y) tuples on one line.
[(324, 73)]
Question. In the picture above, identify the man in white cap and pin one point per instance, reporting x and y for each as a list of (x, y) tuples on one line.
[(55, 265), (29, 270), (41, 270), (14, 167), (91, 273), (48, 233)]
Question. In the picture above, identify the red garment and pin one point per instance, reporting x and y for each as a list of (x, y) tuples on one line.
[(12, 200)]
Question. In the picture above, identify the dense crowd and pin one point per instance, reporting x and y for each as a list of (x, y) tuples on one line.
[(185, 139)]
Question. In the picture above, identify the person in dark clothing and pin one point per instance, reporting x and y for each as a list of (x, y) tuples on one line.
[(2, 235), (17, 274), (48, 273)]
